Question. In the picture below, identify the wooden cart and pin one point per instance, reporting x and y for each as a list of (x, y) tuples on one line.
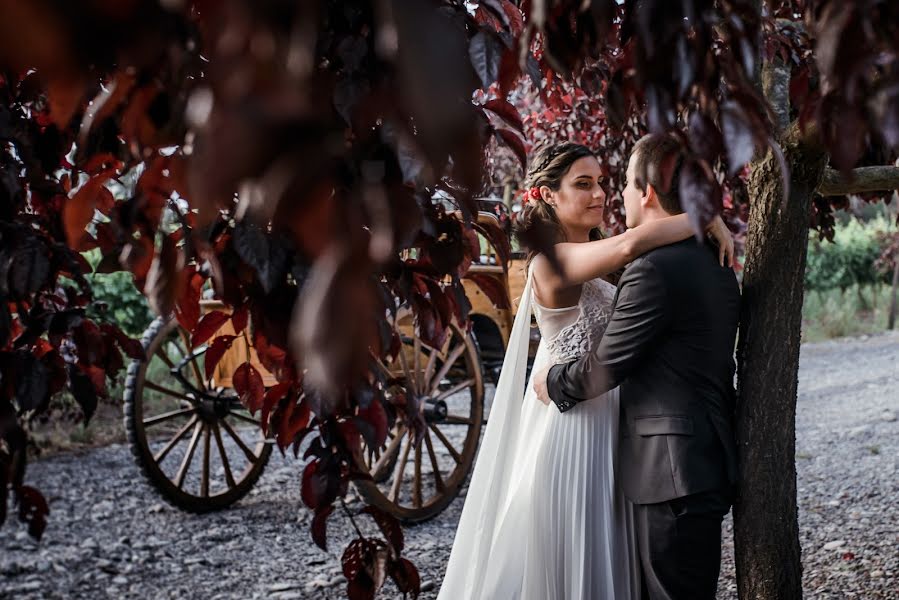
[(203, 450)]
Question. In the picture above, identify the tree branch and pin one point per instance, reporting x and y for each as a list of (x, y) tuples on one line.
[(775, 79), (863, 179)]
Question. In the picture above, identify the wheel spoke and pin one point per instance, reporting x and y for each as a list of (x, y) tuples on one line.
[(429, 368), (383, 368), (392, 447), (168, 416), (445, 367), (168, 391), (400, 468), (416, 363), (204, 479), (438, 479), (193, 359), (189, 455), (227, 466), (446, 442), (456, 388), (410, 381), (246, 450), (416, 483), (245, 418), (455, 420), (160, 352), (178, 437)]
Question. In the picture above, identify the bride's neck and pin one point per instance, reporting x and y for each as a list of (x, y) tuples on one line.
[(576, 235)]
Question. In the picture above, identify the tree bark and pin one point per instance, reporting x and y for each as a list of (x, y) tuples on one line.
[(765, 513), (863, 179)]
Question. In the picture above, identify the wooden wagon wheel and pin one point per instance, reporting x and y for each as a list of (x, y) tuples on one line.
[(416, 481), (197, 445)]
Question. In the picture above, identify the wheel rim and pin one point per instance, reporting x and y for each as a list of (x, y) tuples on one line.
[(417, 481), (200, 443)]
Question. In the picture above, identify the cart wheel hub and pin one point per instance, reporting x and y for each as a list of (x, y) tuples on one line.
[(212, 409), (435, 411)]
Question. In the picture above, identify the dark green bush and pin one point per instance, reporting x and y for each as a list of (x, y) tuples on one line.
[(118, 301), (849, 260)]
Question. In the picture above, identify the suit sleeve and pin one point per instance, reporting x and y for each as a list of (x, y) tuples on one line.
[(641, 313)]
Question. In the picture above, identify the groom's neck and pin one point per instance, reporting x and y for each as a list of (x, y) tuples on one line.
[(653, 214)]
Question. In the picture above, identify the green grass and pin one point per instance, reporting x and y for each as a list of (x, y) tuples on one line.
[(855, 311)]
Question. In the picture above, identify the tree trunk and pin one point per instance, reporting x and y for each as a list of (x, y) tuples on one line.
[(765, 513)]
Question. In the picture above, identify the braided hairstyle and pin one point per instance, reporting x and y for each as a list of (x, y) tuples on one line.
[(537, 225)]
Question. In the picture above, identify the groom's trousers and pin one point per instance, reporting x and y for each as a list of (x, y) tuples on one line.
[(679, 544)]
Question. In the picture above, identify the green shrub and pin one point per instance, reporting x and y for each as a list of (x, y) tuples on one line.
[(848, 260), (117, 300)]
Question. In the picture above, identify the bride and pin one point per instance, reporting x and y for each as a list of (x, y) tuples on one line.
[(543, 518)]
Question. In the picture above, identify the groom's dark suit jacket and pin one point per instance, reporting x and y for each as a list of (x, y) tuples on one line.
[(670, 347)]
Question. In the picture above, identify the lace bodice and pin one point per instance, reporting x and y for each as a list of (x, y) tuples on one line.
[(571, 332)]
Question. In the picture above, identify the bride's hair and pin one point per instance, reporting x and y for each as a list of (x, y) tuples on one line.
[(537, 222)]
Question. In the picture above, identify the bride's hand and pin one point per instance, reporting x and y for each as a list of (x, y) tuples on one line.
[(725, 240)]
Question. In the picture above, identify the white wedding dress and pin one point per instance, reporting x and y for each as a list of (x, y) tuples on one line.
[(543, 518)]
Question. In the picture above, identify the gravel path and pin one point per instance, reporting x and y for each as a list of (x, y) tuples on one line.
[(111, 536)]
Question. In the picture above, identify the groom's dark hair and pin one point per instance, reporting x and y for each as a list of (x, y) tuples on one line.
[(659, 159)]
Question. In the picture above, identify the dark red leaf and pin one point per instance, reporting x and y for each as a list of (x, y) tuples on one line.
[(65, 96), (79, 210), (493, 288), (272, 397), (799, 87), (293, 418), (137, 256), (97, 377), (32, 391), (513, 141), (165, 278), (216, 351), (83, 391), (365, 558), (208, 326), (320, 527), (738, 138), (705, 139), (406, 576), (498, 238), (249, 386), (372, 423), (271, 356), (700, 194), (516, 19), (507, 112), (484, 16), (361, 588), (131, 347), (485, 51), (33, 509), (239, 318), (389, 526), (187, 307), (314, 485)]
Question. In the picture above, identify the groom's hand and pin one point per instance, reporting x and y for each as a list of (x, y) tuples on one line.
[(540, 386)]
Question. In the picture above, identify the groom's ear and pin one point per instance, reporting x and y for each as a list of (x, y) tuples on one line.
[(649, 196)]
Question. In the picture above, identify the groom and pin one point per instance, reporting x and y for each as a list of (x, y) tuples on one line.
[(669, 346)]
